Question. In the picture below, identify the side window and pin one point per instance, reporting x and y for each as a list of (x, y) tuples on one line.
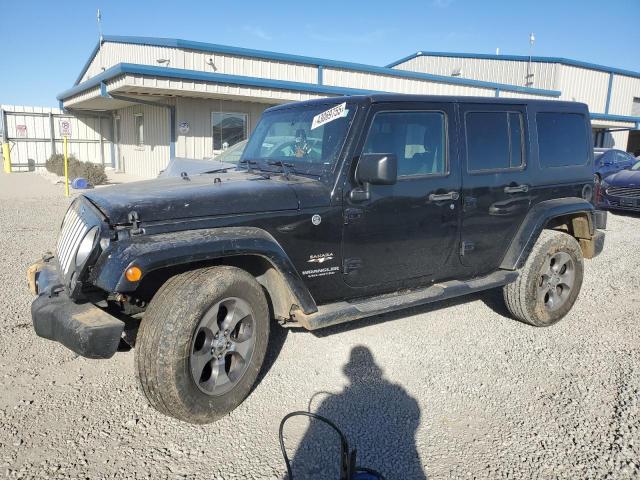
[(562, 139), (138, 129), (494, 141), (418, 139), (622, 159)]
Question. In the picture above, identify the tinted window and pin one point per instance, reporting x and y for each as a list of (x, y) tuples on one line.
[(562, 139), (494, 140), (623, 158), (417, 138)]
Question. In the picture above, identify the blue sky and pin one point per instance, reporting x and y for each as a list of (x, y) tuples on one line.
[(44, 44)]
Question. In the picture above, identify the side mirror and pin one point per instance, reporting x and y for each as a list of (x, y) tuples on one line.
[(377, 169)]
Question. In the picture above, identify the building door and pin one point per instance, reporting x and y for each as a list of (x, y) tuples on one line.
[(408, 230)]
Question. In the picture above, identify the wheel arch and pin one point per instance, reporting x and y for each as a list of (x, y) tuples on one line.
[(164, 255), (573, 216)]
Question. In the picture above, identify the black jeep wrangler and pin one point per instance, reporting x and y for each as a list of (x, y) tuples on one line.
[(340, 209)]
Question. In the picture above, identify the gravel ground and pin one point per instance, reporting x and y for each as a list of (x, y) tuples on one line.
[(452, 390)]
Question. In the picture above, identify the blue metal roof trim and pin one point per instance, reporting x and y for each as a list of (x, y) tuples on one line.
[(85, 67), (519, 58), (247, 52), (615, 118), (224, 78)]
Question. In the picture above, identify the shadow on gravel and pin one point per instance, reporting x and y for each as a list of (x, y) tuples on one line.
[(379, 419), (491, 298), (277, 337)]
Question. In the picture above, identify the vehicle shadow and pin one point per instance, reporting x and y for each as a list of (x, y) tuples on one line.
[(491, 298), (379, 419)]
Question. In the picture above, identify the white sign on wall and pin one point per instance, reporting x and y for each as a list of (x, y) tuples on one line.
[(65, 128), (21, 131), (183, 127)]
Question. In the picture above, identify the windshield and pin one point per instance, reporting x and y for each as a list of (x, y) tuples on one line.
[(305, 139), (636, 166)]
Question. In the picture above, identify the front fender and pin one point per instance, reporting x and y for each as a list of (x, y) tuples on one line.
[(534, 223), (154, 252)]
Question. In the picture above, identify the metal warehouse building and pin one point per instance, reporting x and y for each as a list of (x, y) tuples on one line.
[(156, 98)]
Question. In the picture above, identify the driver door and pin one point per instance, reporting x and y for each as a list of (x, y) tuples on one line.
[(408, 230)]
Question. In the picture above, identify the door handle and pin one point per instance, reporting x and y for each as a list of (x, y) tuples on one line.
[(517, 189), (442, 197)]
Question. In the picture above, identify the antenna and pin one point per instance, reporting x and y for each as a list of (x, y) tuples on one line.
[(530, 75), (100, 39)]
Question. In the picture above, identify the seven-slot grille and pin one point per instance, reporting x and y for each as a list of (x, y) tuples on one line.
[(71, 234), (631, 192)]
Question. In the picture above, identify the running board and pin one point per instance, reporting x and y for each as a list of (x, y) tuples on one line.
[(341, 312)]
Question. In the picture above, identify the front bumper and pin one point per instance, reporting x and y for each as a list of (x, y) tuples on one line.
[(83, 328), (618, 203)]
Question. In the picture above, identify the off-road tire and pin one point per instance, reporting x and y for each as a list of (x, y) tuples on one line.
[(521, 296), (164, 342)]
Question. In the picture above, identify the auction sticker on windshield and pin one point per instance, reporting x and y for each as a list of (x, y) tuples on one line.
[(330, 115)]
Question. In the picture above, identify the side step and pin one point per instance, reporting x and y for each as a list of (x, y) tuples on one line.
[(341, 312)]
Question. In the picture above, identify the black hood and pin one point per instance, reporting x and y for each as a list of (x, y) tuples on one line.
[(624, 178), (237, 192)]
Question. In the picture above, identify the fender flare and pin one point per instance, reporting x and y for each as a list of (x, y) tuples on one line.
[(154, 252), (535, 221)]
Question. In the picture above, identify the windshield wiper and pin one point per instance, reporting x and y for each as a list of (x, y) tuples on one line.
[(287, 168)]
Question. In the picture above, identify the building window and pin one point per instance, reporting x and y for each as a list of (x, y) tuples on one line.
[(228, 129), (139, 129), (494, 141)]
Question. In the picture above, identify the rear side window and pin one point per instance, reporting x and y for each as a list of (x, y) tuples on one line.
[(494, 141), (562, 139)]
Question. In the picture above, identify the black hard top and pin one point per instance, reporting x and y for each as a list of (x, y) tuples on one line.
[(397, 97)]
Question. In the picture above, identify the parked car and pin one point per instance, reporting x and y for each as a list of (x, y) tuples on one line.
[(621, 191), (192, 166), (343, 208), (608, 161)]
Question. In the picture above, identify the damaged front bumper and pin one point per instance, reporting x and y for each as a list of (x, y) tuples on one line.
[(84, 328)]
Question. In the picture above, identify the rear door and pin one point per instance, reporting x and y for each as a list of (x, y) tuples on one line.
[(495, 187), (408, 230)]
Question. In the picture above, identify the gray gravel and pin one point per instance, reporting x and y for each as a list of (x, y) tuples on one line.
[(452, 390)]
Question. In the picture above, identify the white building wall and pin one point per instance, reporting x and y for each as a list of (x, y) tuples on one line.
[(114, 53), (624, 89), (198, 142), (498, 71), (586, 86), (152, 157)]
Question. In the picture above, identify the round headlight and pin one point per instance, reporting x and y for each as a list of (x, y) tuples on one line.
[(86, 246)]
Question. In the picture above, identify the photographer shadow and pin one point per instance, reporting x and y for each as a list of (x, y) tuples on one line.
[(379, 419)]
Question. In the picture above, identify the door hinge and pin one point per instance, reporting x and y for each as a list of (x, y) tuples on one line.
[(351, 265), (351, 214), (467, 247)]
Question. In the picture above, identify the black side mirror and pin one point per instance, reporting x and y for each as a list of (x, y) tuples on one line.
[(377, 169)]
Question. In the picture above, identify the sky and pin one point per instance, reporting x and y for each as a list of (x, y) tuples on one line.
[(44, 43)]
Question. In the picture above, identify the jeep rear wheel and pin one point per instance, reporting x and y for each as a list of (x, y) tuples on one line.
[(549, 282), (202, 342)]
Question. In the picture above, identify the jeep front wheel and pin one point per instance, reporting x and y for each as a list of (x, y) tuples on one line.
[(549, 282), (202, 342)]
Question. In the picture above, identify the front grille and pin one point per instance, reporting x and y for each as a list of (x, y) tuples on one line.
[(71, 234), (631, 192)]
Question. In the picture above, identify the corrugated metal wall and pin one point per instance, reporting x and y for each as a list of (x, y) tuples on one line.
[(584, 85), (387, 83), (624, 90), (146, 160), (198, 143), (499, 71), (34, 135), (114, 53)]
